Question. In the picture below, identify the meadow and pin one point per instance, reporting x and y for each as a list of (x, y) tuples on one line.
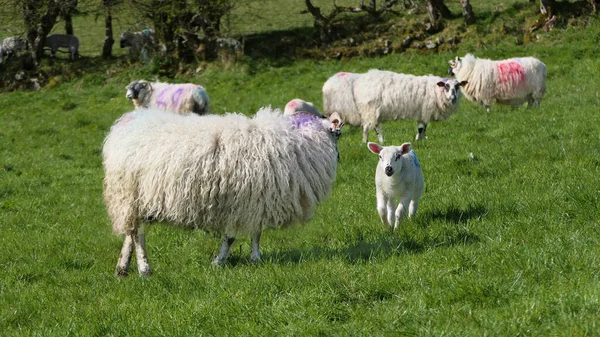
[(506, 240)]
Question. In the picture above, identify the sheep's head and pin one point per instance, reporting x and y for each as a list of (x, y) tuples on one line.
[(126, 39), (451, 89), (389, 156), (136, 90), (334, 124)]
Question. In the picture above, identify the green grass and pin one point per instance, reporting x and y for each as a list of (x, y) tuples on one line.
[(504, 244)]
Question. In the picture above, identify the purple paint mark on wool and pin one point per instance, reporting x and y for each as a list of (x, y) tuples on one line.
[(300, 120), (176, 96)]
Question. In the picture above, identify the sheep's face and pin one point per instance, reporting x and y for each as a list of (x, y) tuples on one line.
[(334, 124), (389, 156), (451, 89), (137, 90), (455, 66), (126, 39)]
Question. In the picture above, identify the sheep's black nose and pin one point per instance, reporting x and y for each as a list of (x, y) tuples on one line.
[(450, 72), (389, 171)]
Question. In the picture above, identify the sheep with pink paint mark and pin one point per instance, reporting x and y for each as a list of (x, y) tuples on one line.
[(178, 98), (512, 81)]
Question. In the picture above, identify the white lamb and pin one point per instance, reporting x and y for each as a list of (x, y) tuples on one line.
[(11, 46), (231, 174), (513, 81), (378, 96), (398, 175), (71, 42), (179, 98)]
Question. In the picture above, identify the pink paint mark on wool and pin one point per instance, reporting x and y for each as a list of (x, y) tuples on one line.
[(126, 119), (342, 74), (291, 105), (511, 71)]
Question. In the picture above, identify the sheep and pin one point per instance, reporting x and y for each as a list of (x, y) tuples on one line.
[(398, 175), (141, 43), (513, 81), (178, 98), (298, 105), (378, 96), (11, 46), (231, 174), (70, 42)]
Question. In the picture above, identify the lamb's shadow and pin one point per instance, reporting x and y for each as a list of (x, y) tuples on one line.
[(389, 244)]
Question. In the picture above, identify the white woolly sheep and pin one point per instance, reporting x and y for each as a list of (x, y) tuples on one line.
[(232, 174), (179, 98), (378, 96), (71, 42), (11, 46), (513, 81), (398, 175), (298, 105), (141, 43)]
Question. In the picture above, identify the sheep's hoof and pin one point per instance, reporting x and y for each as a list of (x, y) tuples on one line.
[(255, 260), (145, 273), (121, 272), (218, 262)]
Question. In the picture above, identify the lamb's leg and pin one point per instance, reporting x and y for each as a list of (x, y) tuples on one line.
[(412, 208), (401, 210), (421, 131), (365, 133), (390, 211), (140, 253), (379, 133), (255, 254), (224, 251), (125, 256), (382, 209)]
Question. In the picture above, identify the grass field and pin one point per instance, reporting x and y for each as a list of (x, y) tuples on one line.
[(506, 241)]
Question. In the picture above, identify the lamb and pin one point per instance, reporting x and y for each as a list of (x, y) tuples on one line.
[(70, 42), (232, 174), (141, 43), (378, 96), (11, 46), (179, 98), (513, 81), (398, 175)]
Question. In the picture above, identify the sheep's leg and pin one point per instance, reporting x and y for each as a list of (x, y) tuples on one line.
[(421, 131), (403, 206), (140, 252), (382, 209), (365, 133), (224, 251), (530, 101), (379, 133), (125, 256), (255, 254)]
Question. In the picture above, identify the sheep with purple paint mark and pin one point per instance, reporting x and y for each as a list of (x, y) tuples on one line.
[(179, 98), (377, 96), (398, 176), (230, 174), (512, 81)]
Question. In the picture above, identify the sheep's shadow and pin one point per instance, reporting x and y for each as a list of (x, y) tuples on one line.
[(388, 244)]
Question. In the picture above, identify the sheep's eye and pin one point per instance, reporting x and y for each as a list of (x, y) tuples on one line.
[(380, 157)]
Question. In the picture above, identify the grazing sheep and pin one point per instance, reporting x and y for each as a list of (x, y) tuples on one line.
[(298, 105), (70, 42), (11, 46), (378, 96), (232, 174), (513, 81), (178, 98), (141, 43), (398, 175)]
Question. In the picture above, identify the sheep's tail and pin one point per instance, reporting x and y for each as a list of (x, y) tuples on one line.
[(201, 101)]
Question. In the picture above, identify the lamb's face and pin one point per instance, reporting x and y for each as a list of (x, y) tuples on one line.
[(455, 66), (389, 156), (136, 90), (451, 89)]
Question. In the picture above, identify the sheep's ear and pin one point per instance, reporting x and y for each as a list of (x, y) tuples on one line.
[(441, 84), (463, 83), (405, 148), (374, 147), (336, 121)]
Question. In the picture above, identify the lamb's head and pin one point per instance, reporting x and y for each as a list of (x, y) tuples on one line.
[(451, 89), (389, 156), (137, 90)]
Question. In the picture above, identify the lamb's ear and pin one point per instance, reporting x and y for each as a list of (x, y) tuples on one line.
[(441, 84), (405, 148), (374, 147), (463, 83)]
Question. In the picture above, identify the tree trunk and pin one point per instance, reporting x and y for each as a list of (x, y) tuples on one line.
[(108, 31), (39, 26), (467, 12), (434, 10), (68, 24), (320, 22)]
